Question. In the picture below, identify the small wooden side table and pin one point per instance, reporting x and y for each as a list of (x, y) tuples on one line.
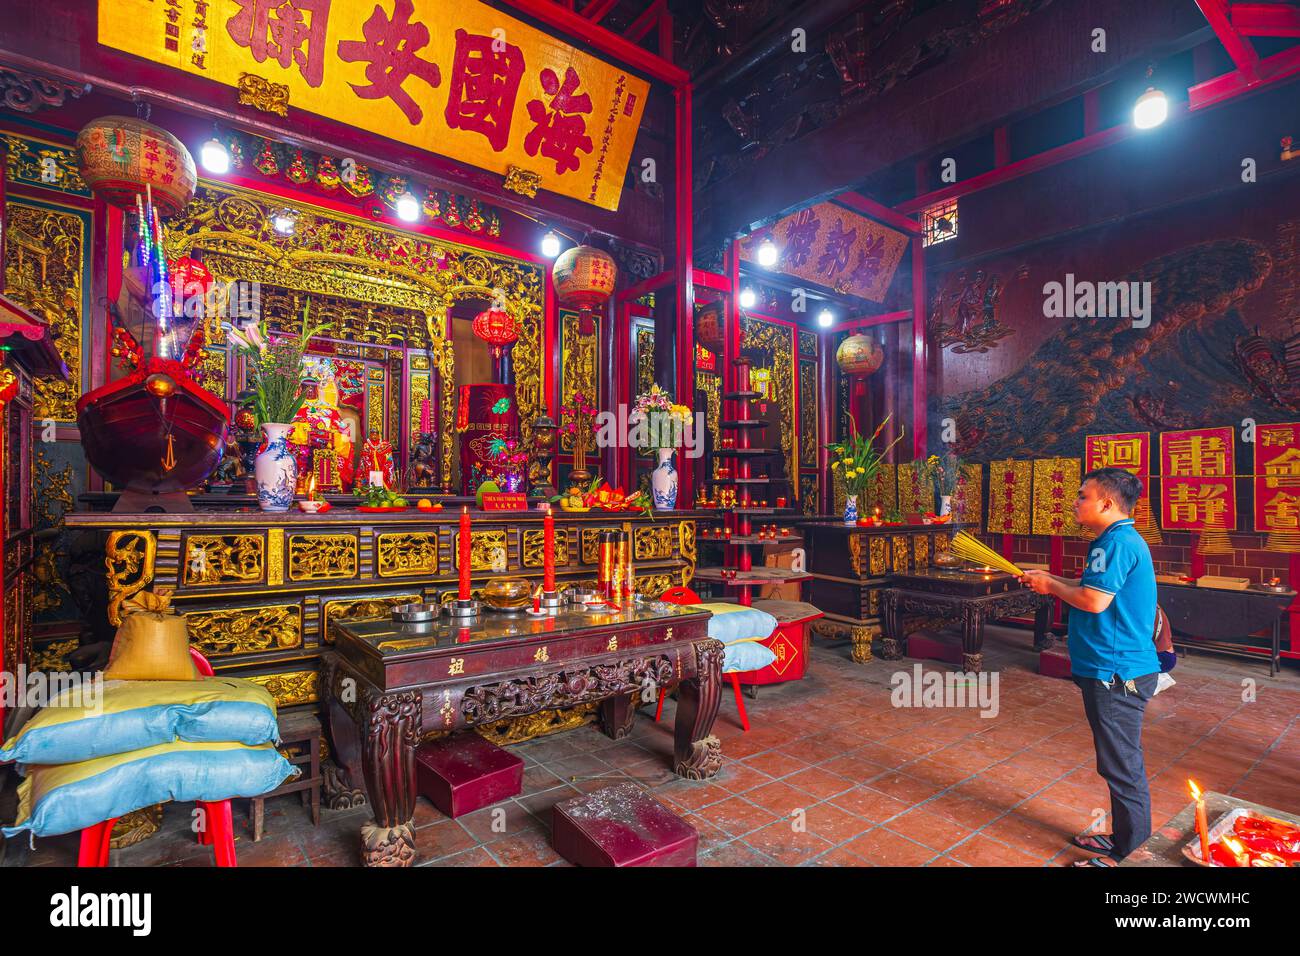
[(295, 729)]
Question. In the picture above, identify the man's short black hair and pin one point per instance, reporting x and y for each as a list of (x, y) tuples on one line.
[(1123, 486)]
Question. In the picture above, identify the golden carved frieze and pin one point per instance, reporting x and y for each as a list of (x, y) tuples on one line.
[(525, 182), (357, 609), (534, 551), (855, 554), (375, 407), (920, 551), (315, 557), (44, 265), (222, 559), (224, 632), (686, 549), (518, 729), (650, 544), (645, 358), (808, 414), (129, 557), (878, 555), (488, 550), (275, 557), (899, 550), (404, 553), (291, 688), (419, 395), (579, 368), (34, 162), (654, 585)]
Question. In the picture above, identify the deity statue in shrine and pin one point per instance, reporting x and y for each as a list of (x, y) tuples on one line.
[(377, 458), (322, 438)]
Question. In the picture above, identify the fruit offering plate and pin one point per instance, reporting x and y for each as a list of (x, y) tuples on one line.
[(1256, 832), (381, 509)]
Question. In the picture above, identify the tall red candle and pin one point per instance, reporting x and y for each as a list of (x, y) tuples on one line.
[(548, 552), (464, 553)]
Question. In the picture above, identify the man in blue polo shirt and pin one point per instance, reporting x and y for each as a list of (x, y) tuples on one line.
[(1112, 654)]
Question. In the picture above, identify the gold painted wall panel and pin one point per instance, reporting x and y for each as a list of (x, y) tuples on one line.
[(579, 368), (533, 550), (403, 553)]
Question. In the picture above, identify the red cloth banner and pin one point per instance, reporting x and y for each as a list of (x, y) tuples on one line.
[(1197, 487)]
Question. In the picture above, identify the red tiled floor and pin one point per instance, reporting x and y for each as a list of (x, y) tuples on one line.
[(877, 785)]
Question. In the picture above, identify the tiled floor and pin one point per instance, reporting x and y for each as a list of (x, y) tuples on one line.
[(831, 774)]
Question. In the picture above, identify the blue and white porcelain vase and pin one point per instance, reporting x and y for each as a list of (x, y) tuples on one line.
[(275, 469), (850, 509), (663, 480)]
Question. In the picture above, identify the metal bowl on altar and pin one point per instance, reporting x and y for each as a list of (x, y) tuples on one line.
[(508, 594), (946, 559), (416, 613), (584, 596)]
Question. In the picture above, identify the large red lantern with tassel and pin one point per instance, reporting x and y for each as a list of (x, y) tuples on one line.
[(495, 327), (709, 327), (859, 355)]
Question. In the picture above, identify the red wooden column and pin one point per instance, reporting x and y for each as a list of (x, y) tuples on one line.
[(826, 421), (685, 287), (919, 385)]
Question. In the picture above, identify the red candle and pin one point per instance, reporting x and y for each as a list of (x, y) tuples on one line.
[(537, 600), (1202, 828), (464, 553), (548, 551)]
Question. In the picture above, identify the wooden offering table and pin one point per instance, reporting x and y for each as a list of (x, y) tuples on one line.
[(972, 596), (386, 685), (849, 565)]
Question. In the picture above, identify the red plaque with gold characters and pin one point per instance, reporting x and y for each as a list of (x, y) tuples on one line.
[(1277, 477), (1197, 485), (1128, 450)]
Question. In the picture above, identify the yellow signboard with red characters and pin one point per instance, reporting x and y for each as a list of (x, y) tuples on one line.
[(459, 79), (1277, 477)]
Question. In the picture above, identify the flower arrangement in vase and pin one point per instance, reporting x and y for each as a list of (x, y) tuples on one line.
[(658, 426), (943, 472), (275, 371), (857, 459)]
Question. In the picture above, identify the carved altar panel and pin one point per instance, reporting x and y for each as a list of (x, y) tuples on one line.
[(488, 550), (44, 262), (222, 559), (129, 557), (579, 368), (808, 437), (315, 557), (403, 553), (590, 543), (650, 544), (645, 357), (224, 632), (775, 341), (711, 386), (534, 551), (290, 688)]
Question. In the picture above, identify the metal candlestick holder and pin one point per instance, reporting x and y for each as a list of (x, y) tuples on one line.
[(552, 601), (465, 608)]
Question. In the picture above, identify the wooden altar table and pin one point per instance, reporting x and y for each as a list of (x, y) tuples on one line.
[(386, 685)]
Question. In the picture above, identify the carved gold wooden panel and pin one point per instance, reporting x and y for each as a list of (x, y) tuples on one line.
[(899, 548), (222, 559), (590, 543), (361, 608), (222, 632), (314, 557), (879, 562), (291, 688), (488, 550), (533, 550), (921, 551), (403, 553), (649, 544)]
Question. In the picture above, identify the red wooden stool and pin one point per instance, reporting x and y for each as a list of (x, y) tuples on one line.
[(684, 595), (218, 830)]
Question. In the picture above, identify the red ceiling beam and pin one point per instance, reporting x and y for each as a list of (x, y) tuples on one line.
[(646, 22), (1269, 70), (1238, 47), (869, 207), (598, 10), (1265, 20)]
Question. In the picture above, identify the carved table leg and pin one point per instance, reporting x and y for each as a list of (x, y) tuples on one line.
[(617, 715), (972, 638), (862, 636), (1044, 639), (388, 761), (338, 792), (340, 784), (697, 754), (893, 642)]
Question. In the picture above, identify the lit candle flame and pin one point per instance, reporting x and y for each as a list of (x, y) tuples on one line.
[(1193, 789), (1238, 851)]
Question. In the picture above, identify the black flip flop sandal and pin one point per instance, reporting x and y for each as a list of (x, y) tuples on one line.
[(1094, 843)]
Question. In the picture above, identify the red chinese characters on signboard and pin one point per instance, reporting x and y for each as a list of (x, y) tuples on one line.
[(559, 130), (288, 31), (485, 75), (389, 50), (1277, 477), (1128, 450), (1197, 486)]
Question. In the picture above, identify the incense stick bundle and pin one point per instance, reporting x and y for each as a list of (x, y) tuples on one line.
[(969, 548)]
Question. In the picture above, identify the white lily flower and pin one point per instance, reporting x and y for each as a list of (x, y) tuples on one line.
[(235, 335), (255, 336)]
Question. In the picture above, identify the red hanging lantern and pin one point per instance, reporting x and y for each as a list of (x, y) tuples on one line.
[(496, 328), (190, 278)]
